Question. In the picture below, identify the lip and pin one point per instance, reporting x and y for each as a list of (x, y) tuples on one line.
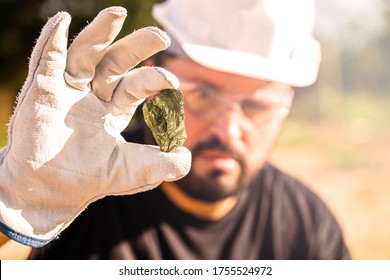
[(218, 160)]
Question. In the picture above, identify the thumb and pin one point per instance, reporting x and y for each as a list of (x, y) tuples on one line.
[(139, 167)]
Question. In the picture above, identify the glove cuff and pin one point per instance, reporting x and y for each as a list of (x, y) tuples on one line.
[(22, 238)]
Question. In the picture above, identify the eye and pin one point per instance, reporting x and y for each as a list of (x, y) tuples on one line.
[(252, 108), (198, 89), (201, 99), (254, 104), (205, 91)]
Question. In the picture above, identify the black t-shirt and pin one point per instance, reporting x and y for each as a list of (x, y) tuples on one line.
[(276, 218)]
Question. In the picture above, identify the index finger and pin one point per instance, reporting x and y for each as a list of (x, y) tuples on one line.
[(123, 55), (88, 47)]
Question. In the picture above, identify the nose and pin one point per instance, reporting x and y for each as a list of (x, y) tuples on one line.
[(229, 126)]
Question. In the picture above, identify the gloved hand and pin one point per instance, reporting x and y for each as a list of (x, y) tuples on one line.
[(65, 150)]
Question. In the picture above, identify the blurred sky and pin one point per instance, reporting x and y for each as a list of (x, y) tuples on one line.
[(350, 23)]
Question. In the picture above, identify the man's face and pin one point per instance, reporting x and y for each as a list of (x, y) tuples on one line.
[(232, 124)]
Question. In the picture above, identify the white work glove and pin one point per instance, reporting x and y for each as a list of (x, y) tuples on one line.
[(65, 150)]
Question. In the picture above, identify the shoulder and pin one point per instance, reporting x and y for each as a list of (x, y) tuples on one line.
[(283, 185), (303, 225), (290, 195)]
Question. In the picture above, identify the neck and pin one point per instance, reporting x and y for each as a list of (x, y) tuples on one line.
[(206, 210)]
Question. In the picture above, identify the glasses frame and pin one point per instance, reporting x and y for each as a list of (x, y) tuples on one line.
[(262, 106)]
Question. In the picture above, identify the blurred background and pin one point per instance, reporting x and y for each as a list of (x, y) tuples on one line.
[(337, 138)]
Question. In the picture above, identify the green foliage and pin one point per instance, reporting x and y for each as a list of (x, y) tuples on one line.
[(345, 130), (20, 25), (366, 68), (3, 134), (21, 22)]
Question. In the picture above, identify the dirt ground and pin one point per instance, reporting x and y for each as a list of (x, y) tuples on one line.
[(349, 167)]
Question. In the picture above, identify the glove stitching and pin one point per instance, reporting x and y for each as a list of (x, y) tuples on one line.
[(64, 169)]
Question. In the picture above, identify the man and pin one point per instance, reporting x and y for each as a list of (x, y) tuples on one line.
[(237, 62)]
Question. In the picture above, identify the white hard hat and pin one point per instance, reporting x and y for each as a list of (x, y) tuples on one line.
[(265, 39)]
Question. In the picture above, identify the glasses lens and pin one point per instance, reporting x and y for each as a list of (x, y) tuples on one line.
[(201, 100), (205, 101)]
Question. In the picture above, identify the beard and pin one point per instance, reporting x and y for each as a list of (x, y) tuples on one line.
[(216, 185)]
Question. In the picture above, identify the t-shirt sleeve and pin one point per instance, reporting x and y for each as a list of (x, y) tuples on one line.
[(327, 242), (303, 225)]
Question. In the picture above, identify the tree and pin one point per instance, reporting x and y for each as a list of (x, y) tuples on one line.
[(21, 22)]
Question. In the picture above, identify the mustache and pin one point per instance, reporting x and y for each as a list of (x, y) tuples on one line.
[(215, 144)]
